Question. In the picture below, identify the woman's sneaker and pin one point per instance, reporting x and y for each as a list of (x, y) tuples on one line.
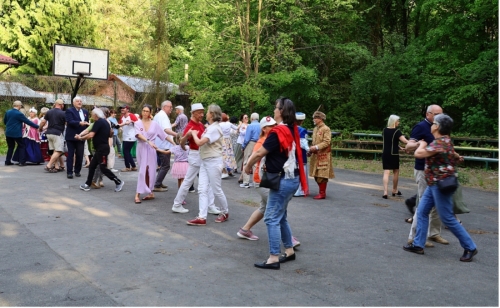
[(197, 222), (295, 242), (247, 235)]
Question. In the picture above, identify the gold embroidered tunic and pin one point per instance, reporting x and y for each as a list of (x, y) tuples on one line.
[(320, 164)]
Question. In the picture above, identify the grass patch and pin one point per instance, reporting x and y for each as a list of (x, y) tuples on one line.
[(468, 177)]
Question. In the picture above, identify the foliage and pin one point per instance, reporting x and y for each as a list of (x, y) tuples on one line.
[(29, 29), (360, 60)]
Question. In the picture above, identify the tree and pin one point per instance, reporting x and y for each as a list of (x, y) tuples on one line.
[(29, 29)]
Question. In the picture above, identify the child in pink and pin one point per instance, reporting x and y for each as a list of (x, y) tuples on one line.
[(180, 166)]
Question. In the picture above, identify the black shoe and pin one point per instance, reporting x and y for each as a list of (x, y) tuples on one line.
[(415, 249), (22, 165), (284, 258), (384, 196), (9, 164), (468, 255), (264, 265), (70, 176), (398, 193), (78, 175)]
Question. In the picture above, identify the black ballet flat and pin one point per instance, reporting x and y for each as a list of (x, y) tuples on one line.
[(384, 196), (284, 258), (264, 265), (399, 194)]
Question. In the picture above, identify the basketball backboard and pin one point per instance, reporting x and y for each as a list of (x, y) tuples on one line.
[(70, 61)]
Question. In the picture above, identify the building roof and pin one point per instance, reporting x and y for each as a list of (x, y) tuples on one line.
[(16, 90), (142, 85), (7, 60), (88, 100)]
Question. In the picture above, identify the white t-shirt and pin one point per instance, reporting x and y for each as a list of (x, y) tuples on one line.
[(128, 130), (242, 131), (162, 119)]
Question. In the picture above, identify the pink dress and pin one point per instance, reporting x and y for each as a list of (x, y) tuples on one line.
[(146, 155), (180, 166)]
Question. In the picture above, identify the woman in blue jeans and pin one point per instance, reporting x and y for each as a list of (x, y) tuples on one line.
[(440, 157), (283, 155)]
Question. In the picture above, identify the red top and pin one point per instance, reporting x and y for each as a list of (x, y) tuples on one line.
[(132, 117), (195, 126)]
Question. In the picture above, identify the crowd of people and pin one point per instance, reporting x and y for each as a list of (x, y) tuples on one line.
[(272, 154)]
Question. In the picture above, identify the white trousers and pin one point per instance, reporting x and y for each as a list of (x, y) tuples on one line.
[(194, 162), (210, 180), (111, 157)]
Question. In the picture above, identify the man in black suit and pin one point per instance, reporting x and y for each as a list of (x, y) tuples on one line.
[(77, 119)]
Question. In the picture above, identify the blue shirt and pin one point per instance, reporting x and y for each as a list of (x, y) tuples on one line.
[(114, 121), (252, 133), (422, 131), (13, 120)]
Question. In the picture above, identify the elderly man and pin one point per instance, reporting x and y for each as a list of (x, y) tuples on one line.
[(251, 137), (77, 120), (13, 120), (181, 121), (321, 167), (100, 133), (162, 118), (194, 161), (422, 131), (55, 129)]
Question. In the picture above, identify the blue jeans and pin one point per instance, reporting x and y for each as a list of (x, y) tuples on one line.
[(278, 229), (444, 206)]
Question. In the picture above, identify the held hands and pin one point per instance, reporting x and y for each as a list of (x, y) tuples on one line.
[(247, 169), (84, 123), (152, 144)]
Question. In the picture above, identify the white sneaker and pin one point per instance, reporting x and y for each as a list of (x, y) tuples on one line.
[(214, 210), (245, 185), (224, 175), (179, 209), (114, 170)]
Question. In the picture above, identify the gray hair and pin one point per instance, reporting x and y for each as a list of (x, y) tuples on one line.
[(254, 116), (444, 122), (17, 103), (391, 123), (98, 112), (77, 98), (165, 103), (429, 109), (216, 112)]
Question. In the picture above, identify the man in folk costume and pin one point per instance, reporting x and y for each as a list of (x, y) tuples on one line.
[(321, 167)]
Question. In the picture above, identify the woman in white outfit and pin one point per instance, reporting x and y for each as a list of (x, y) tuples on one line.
[(211, 167)]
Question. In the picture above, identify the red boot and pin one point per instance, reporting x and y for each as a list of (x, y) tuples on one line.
[(322, 191)]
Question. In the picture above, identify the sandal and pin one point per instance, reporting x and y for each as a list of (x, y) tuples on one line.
[(60, 169), (50, 170), (409, 220), (137, 200), (148, 198)]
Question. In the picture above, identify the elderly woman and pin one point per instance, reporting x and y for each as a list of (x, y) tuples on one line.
[(146, 131), (227, 146), (31, 139), (390, 154), (210, 144), (440, 160), (284, 157)]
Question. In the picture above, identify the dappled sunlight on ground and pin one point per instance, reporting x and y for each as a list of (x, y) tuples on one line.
[(360, 185), (8, 229)]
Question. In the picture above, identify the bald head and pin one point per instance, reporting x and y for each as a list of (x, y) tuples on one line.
[(432, 111)]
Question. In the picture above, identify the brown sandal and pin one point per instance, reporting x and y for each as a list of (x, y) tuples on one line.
[(50, 170)]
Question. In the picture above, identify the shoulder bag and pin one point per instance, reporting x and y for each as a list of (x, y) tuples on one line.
[(449, 184), (270, 180)]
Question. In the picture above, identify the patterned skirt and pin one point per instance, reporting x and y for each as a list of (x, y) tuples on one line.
[(228, 154)]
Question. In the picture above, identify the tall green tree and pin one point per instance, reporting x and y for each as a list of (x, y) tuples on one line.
[(29, 29)]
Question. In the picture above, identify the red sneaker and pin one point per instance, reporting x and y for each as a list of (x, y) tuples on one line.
[(198, 221), (222, 217)]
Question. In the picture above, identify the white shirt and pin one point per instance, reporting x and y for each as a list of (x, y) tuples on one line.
[(163, 120), (128, 130), (226, 128)]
